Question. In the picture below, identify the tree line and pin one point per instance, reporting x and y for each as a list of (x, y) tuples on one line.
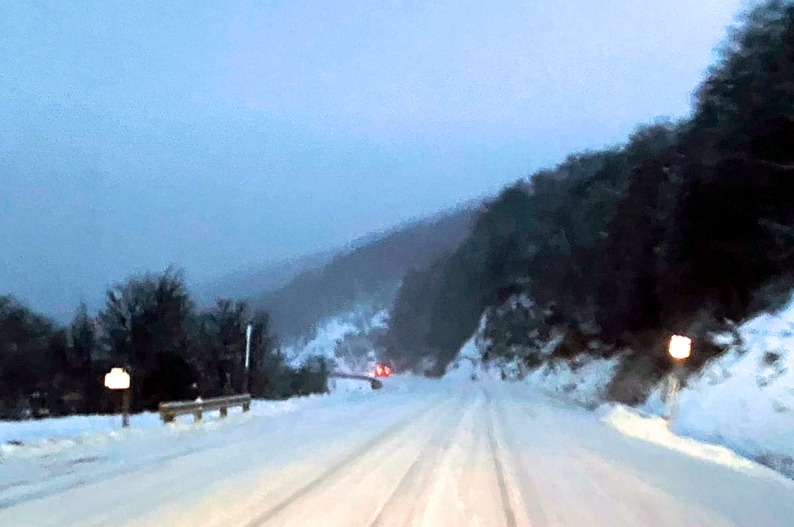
[(150, 326), (687, 225)]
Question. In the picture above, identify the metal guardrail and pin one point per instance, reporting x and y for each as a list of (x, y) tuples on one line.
[(168, 411), (374, 382)]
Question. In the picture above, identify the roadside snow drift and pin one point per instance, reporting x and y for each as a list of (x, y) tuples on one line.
[(584, 379), (656, 430), (45, 437), (745, 399), (467, 363)]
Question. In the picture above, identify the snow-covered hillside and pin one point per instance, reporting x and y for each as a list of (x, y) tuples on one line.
[(583, 379), (469, 359), (745, 399), (345, 339)]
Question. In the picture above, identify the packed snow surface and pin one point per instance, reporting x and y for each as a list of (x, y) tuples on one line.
[(417, 452)]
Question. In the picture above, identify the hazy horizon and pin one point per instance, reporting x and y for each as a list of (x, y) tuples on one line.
[(219, 137)]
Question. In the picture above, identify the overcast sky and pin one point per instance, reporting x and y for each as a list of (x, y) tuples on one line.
[(221, 135)]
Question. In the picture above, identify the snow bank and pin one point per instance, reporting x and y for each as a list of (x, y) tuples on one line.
[(45, 437), (583, 379), (68, 427), (655, 430), (745, 398)]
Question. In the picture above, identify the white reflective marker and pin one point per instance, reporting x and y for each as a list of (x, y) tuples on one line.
[(117, 379), (680, 347)]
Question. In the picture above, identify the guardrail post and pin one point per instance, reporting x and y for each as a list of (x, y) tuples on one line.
[(247, 405), (197, 415), (223, 411)]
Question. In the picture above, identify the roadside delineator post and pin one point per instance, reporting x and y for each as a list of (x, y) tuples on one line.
[(119, 379), (680, 348)]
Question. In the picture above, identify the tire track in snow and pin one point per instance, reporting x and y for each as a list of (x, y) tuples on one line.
[(611, 485), (445, 501), (510, 517), (178, 485), (23, 493), (340, 466), (417, 478), (527, 485), (171, 486), (469, 475)]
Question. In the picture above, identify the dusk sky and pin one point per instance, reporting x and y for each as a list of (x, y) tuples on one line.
[(223, 135)]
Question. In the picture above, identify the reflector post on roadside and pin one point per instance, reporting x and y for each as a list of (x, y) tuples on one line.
[(680, 347), (119, 379)]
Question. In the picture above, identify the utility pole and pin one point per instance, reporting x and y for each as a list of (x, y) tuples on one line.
[(248, 331)]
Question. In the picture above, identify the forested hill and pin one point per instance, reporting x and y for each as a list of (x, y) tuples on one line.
[(369, 273), (686, 225)]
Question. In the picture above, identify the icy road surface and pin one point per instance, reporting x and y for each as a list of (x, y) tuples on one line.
[(416, 453)]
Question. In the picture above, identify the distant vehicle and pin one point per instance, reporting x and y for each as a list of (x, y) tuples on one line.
[(382, 370)]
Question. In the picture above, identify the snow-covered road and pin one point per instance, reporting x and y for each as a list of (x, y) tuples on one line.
[(416, 453)]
